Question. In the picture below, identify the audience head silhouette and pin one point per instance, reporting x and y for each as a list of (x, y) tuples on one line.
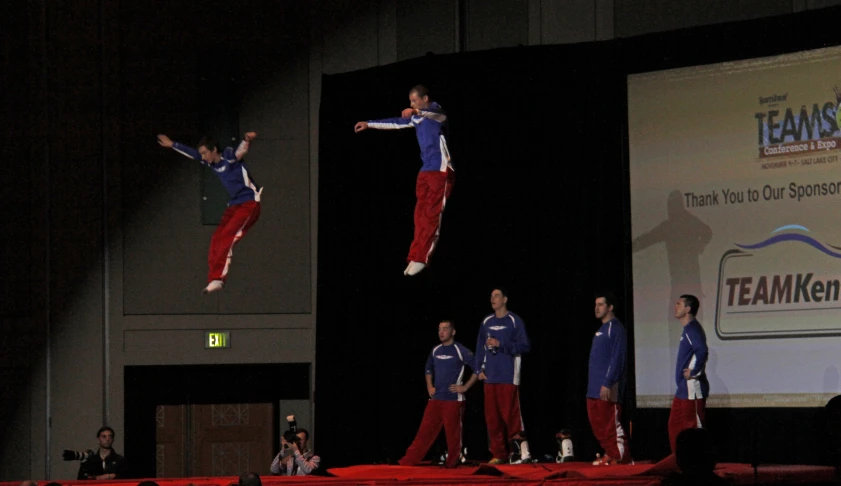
[(250, 479)]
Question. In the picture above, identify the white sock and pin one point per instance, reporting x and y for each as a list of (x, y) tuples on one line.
[(416, 267), (213, 286), (524, 450)]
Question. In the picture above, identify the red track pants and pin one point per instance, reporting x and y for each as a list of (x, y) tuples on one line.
[(236, 221), (438, 413), (432, 190), (685, 414), (502, 416), (606, 421)]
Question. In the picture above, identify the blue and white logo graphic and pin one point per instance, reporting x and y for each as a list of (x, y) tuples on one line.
[(786, 284)]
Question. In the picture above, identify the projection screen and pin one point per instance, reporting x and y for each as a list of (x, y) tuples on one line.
[(736, 199)]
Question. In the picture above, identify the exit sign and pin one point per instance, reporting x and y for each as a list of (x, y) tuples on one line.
[(217, 340)]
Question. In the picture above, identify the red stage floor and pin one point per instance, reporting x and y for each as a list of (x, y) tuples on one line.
[(575, 473)]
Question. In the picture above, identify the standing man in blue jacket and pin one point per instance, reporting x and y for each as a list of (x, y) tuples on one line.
[(436, 177), (445, 370), (606, 384), (689, 403), (500, 345)]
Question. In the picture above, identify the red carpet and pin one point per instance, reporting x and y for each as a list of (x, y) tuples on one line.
[(575, 473)]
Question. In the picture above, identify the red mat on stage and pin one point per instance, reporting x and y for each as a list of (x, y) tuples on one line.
[(580, 473), (574, 473)]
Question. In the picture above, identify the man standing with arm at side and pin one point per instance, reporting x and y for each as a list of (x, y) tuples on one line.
[(444, 376), (606, 384), (689, 403), (501, 342)]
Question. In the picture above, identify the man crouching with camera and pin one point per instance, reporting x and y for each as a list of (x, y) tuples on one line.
[(105, 463), (295, 458)]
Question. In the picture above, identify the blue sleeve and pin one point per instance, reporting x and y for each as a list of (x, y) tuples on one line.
[(479, 358), (434, 112), (430, 364), (700, 350), (618, 344), (519, 343), (229, 156), (468, 357), (391, 123), (186, 151)]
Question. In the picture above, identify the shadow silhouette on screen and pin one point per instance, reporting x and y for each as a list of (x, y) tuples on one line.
[(685, 237)]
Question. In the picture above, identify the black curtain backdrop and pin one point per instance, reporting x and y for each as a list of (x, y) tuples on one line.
[(536, 208), (540, 206)]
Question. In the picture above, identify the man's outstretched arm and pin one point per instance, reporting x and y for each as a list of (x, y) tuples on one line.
[(384, 124), (182, 149)]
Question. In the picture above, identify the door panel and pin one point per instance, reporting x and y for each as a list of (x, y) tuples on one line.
[(214, 440)]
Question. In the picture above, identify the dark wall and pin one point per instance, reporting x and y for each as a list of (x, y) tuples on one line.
[(17, 224), (18, 334), (540, 206), (217, 69), (86, 86)]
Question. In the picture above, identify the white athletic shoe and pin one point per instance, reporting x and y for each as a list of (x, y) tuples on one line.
[(415, 268), (406, 272), (213, 287)]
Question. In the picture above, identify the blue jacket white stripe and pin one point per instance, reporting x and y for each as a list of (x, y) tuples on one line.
[(692, 354), (504, 365), (429, 127), (231, 170), (607, 360), (446, 365)]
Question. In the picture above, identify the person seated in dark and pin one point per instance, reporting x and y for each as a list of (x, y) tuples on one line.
[(105, 463), (250, 479), (695, 456)]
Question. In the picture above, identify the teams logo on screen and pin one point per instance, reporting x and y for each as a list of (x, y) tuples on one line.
[(799, 129), (787, 284)]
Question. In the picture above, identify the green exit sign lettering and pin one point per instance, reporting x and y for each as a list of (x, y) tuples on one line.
[(217, 340)]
